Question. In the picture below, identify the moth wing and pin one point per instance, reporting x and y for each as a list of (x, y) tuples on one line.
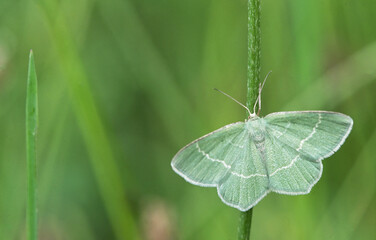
[(296, 142), (225, 159), (206, 160)]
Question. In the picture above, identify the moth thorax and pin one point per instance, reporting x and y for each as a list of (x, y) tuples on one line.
[(256, 130), (258, 136)]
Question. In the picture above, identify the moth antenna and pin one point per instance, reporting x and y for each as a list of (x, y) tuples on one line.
[(258, 100), (250, 114)]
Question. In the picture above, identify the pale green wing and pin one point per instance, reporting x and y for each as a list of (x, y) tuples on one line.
[(296, 142), (203, 162), (247, 182), (225, 159)]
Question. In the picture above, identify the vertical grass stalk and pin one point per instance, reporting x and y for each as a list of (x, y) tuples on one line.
[(253, 81), (245, 221), (98, 144), (254, 52), (31, 131)]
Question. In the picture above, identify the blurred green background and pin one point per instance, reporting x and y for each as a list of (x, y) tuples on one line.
[(124, 84)]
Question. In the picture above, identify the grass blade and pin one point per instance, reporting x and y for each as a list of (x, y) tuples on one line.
[(353, 73), (31, 130), (94, 133)]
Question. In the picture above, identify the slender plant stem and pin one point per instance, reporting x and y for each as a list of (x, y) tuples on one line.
[(31, 131), (245, 221), (253, 81), (254, 52)]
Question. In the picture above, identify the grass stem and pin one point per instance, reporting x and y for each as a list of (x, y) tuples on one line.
[(31, 130), (253, 81), (254, 52), (245, 221)]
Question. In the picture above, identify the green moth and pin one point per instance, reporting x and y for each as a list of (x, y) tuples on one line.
[(280, 153)]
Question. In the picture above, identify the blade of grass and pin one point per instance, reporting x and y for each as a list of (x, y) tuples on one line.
[(31, 131), (352, 74), (94, 133)]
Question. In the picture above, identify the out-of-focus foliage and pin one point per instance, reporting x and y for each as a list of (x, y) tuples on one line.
[(144, 71)]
